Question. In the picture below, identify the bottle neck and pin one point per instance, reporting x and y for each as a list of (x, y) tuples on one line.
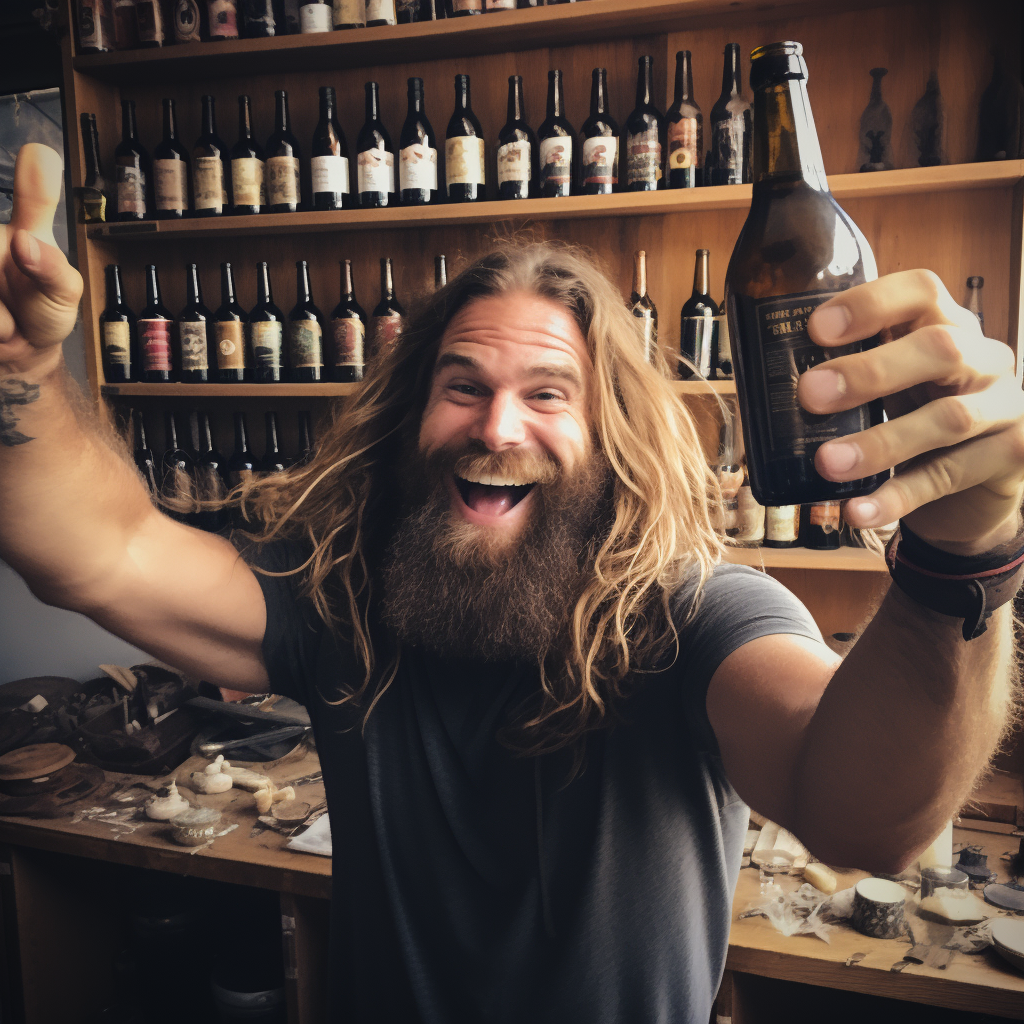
[(876, 86), (209, 122), (372, 102), (440, 272), (515, 98), (302, 293), (347, 289), (128, 121), (731, 71), (387, 286), (206, 433), (785, 144), (416, 97), (461, 94), (152, 287), (244, 118), (193, 291), (271, 429), (170, 121), (555, 94), (281, 112), (227, 284), (640, 274), (327, 106), (598, 91), (305, 441), (241, 434), (263, 294), (140, 432), (170, 430), (92, 147), (684, 78), (113, 285), (193, 430), (643, 83), (702, 274)]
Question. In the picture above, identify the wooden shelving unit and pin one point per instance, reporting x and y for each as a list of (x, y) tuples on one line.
[(842, 559)]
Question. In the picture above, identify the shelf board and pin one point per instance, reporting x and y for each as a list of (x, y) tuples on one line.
[(842, 559), (496, 32), (227, 390), (906, 181), (705, 387)]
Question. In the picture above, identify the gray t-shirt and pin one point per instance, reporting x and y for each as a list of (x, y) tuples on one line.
[(474, 884)]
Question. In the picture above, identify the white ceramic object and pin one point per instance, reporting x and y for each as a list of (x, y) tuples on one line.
[(1008, 940), (213, 779), (166, 806)]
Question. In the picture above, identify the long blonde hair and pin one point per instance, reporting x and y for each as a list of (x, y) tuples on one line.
[(665, 498)]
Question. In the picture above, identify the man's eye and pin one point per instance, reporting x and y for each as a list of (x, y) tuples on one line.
[(464, 389), (548, 396)]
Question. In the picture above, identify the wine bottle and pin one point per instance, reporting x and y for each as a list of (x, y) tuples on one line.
[(699, 323), (266, 329), (316, 16), (305, 332), (259, 20), (685, 131), (154, 327), (176, 488), (599, 141), (306, 442), (417, 153), (289, 10), (349, 13), (557, 144), (283, 190), (189, 18), (348, 333), (208, 475), (329, 154), (132, 166), (150, 17), (193, 332), (118, 333), (796, 250), (464, 149), (170, 170), (823, 528), (375, 163), (248, 188), (142, 454), (210, 171), (750, 518), (387, 314), (781, 526), (517, 148), (271, 461), (440, 272), (463, 8), (729, 162), (645, 136), (641, 306), (380, 12), (229, 326), (126, 24), (409, 11), (973, 300), (95, 26), (499, 5), (223, 15), (240, 466), (96, 189)]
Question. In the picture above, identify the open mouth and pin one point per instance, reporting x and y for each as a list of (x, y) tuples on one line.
[(492, 496)]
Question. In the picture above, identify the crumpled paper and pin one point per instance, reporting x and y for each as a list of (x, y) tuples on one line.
[(803, 912)]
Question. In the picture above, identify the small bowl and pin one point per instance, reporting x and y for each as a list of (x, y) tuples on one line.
[(1008, 940), (195, 827)]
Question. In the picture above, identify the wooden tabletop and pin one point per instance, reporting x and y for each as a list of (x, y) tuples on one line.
[(982, 983)]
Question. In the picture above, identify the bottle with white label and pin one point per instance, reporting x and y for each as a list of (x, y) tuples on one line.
[(282, 180), (248, 188), (305, 333), (266, 332), (645, 136), (642, 306), (170, 170), (380, 12), (316, 16), (782, 526), (599, 142), (154, 328), (347, 344), (210, 171), (349, 13), (329, 157), (417, 153), (193, 332), (118, 333), (223, 16), (229, 327), (375, 162), (517, 148), (465, 176), (132, 167), (189, 20), (557, 142)]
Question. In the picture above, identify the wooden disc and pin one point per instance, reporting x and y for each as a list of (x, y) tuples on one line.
[(36, 760)]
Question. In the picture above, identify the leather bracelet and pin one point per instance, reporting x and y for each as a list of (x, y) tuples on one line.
[(968, 587)]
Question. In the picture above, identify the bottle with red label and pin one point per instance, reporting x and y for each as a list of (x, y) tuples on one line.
[(557, 143), (155, 322), (223, 16), (347, 343), (599, 142), (684, 161), (644, 135), (387, 314)]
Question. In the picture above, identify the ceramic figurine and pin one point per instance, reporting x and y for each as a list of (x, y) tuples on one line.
[(214, 779), (166, 803)]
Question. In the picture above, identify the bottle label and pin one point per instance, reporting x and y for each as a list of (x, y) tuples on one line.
[(683, 147), (555, 161), (649, 329), (643, 158), (501, 5), (117, 342), (155, 343), (600, 158), (385, 331), (782, 522), (266, 343), (282, 180), (131, 190), (698, 338), (723, 358), (467, 5), (95, 29), (315, 18), (381, 10), (169, 185), (464, 160), (417, 167), (208, 183), (514, 161), (349, 12), (375, 170), (247, 181), (230, 345), (825, 515), (94, 206), (193, 345), (330, 174), (749, 517), (305, 343), (348, 337), (151, 21), (223, 18), (786, 351), (186, 21), (727, 138)]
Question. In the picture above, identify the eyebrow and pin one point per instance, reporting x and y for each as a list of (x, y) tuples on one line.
[(557, 371)]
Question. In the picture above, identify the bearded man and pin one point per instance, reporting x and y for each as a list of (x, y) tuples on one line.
[(540, 701)]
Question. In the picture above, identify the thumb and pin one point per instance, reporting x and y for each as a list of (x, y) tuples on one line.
[(47, 267), (38, 173)]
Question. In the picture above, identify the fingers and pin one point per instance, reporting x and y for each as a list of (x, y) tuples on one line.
[(907, 297), (38, 173), (47, 267)]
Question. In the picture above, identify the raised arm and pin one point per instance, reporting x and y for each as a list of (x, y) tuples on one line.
[(75, 519)]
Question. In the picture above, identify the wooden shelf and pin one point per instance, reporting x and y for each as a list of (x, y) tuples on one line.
[(705, 387), (227, 390), (842, 559), (907, 181)]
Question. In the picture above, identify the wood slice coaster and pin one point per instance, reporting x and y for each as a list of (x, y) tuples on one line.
[(77, 782), (35, 761)]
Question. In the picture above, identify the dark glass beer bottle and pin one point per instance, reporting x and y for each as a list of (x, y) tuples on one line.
[(210, 170), (96, 190), (132, 167), (599, 142), (194, 332), (271, 461), (517, 148), (375, 157), (823, 528), (118, 333), (684, 163), (729, 159), (266, 331), (176, 487), (699, 322), (641, 306), (797, 249), (329, 157), (284, 192), (645, 136), (229, 325), (387, 314), (210, 486), (154, 327), (348, 333), (556, 141), (465, 174), (305, 332), (248, 189), (241, 465)]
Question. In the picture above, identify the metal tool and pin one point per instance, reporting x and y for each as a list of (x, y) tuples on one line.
[(270, 736)]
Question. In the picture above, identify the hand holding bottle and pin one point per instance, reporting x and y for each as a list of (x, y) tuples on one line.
[(955, 431), (39, 289)]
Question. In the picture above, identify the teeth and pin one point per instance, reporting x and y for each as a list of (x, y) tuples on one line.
[(498, 481)]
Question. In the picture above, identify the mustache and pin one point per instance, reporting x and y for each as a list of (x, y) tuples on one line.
[(474, 459)]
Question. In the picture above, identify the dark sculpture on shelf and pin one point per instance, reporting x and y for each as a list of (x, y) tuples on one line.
[(876, 129), (928, 125), (1001, 116)]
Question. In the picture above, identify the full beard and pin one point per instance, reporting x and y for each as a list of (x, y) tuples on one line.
[(465, 591)]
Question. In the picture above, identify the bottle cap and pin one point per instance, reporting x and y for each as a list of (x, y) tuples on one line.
[(777, 62)]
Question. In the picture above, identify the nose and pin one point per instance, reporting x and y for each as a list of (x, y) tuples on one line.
[(500, 423)]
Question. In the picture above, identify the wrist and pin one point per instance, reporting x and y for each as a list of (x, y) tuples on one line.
[(35, 370), (996, 538)]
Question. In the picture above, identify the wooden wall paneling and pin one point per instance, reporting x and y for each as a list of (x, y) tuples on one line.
[(839, 601)]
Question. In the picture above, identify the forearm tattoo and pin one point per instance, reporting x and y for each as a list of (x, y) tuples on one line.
[(14, 392)]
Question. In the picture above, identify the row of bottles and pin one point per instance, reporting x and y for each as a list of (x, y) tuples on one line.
[(652, 151), (105, 25), (231, 345)]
